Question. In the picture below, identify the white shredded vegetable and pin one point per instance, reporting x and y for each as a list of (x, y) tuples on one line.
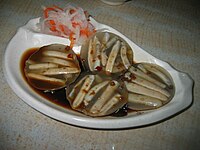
[(70, 22)]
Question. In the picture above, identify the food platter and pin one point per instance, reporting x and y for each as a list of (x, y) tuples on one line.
[(28, 37)]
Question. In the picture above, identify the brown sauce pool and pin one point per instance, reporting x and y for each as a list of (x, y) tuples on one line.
[(58, 97)]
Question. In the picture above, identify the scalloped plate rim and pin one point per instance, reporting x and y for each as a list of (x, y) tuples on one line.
[(23, 91)]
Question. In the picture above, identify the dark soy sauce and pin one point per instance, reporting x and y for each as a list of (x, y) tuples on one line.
[(58, 97)]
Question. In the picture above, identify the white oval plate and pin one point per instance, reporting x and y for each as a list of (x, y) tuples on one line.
[(27, 37)]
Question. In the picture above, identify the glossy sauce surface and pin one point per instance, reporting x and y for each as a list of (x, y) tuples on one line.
[(57, 97)]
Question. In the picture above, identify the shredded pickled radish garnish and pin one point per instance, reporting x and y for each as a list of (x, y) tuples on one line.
[(70, 22)]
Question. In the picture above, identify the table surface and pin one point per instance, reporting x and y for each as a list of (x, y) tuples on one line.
[(169, 30)]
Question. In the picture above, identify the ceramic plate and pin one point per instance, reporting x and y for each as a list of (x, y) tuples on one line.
[(26, 38)]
